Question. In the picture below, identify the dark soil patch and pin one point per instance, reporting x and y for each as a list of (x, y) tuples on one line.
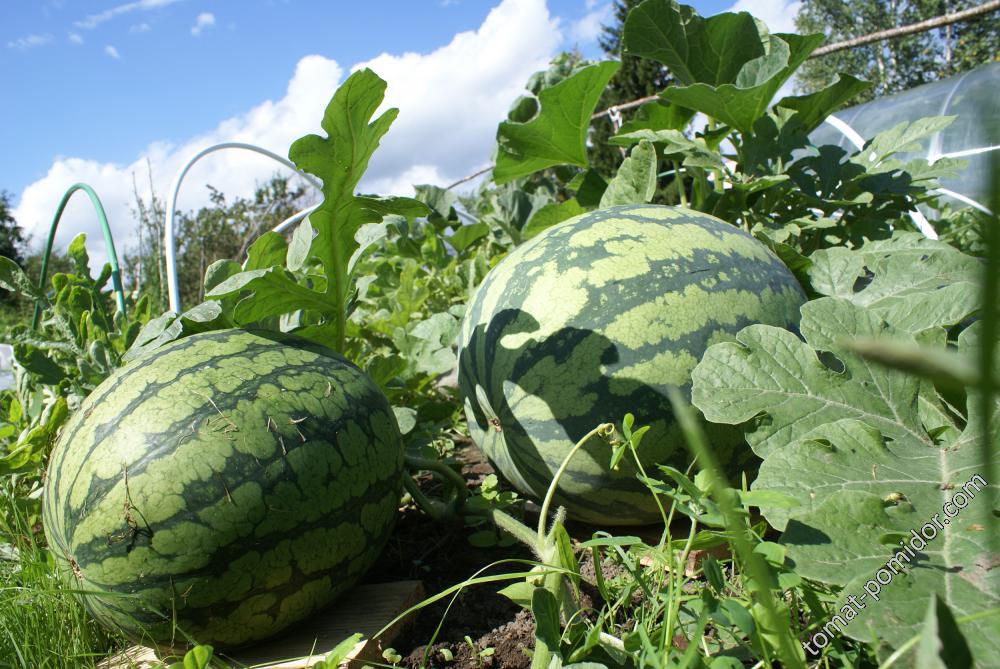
[(441, 556), (502, 648), (479, 629)]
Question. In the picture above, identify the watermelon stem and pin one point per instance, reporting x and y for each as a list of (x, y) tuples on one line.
[(515, 528), (439, 511), (605, 430), (457, 481), (436, 509)]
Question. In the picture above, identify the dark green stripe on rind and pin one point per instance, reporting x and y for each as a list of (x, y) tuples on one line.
[(240, 478), (596, 317)]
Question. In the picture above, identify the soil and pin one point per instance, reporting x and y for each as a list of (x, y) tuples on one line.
[(441, 556), (481, 629)]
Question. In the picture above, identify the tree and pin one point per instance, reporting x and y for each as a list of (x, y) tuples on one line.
[(637, 78), (12, 241), (897, 64)]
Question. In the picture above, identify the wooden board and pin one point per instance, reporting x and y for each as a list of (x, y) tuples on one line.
[(366, 609)]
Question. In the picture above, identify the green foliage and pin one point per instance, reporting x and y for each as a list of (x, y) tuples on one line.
[(226, 230), (636, 78), (81, 339), (862, 423), (635, 181), (309, 283), (199, 657), (12, 240), (869, 452), (557, 134), (753, 164)]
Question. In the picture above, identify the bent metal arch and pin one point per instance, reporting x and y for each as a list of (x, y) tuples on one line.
[(169, 234)]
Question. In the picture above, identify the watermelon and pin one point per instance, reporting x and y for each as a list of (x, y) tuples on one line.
[(595, 318), (233, 481)]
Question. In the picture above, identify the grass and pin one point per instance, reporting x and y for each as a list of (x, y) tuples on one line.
[(42, 624)]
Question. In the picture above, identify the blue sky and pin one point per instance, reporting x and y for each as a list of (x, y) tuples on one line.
[(97, 89)]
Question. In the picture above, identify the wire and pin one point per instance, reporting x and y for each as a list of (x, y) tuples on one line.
[(169, 237), (116, 276)]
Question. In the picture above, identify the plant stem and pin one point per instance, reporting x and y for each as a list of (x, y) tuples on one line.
[(415, 462), (423, 501), (514, 527), (550, 493), (717, 173), (789, 652), (680, 183), (612, 641)]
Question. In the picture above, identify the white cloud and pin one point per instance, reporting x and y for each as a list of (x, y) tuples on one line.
[(75, 38), (402, 183), (271, 124), (95, 20), (113, 52), (204, 20), (588, 29), (450, 102), (451, 99), (29, 42), (779, 15), (139, 28)]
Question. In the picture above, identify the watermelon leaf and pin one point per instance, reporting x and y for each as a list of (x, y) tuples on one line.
[(696, 151), (772, 372), (815, 107), (268, 250), (729, 66), (658, 115), (340, 160), (741, 103), (941, 645), (14, 279), (910, 281), (898, 139), (635, 182), (550, 215), (695, 50), (274, 292), (557, 134), (868, 452), (589, 187), (336, 233), (466, 235)]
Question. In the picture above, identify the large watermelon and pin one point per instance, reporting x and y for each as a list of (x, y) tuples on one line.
[(595, 318), (233, 481)]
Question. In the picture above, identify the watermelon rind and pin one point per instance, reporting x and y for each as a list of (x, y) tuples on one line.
[(595, 318), (223, 487)]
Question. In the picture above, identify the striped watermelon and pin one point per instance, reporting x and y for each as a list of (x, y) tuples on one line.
[(232, 480), (595, 318)]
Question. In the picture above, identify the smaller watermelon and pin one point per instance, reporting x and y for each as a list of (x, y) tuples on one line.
[(233, 481), (595, 318)]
